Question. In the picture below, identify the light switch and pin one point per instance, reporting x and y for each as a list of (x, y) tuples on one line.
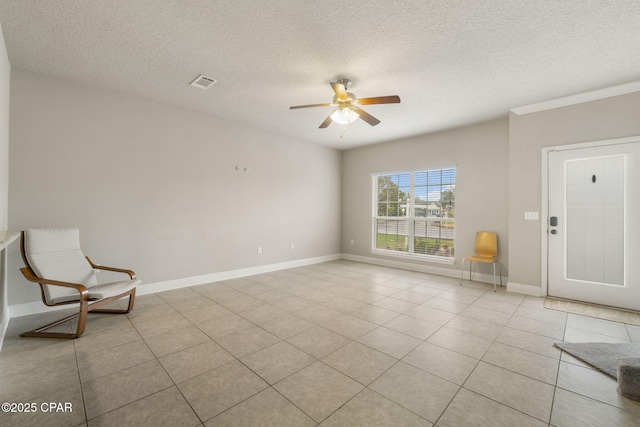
[(531, 216)]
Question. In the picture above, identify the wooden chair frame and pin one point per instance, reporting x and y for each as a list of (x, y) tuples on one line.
[(87, 305)]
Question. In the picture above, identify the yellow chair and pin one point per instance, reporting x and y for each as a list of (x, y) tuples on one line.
[(486, 252)]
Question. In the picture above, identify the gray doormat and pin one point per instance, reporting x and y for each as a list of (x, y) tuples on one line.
[(602, 356)]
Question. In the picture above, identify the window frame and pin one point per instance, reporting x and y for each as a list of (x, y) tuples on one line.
[(411, 218)]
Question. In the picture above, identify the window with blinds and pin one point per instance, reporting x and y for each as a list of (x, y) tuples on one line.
[(414, 213)]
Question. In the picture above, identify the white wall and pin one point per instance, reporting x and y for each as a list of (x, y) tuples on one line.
[(5, 73), (154, 188), (480, 155), (608, 118)]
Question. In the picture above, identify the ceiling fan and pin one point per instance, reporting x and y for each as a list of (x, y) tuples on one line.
[(349, 110)]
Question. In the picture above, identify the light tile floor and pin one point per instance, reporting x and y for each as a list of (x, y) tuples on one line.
[(333, 344)]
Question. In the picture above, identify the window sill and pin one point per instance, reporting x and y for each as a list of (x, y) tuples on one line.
[(413, 257)]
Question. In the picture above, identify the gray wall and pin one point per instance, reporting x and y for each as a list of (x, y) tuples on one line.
[(613, 117), (155, 189), (480, 155), (5, 72)]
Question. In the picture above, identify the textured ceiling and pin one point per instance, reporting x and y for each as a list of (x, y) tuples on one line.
[(452, 62)]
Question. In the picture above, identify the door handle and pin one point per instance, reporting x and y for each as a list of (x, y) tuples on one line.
[(554, 231)]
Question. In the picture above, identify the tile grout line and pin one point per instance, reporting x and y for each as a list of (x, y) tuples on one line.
[(555, 386), (468, 376), (367, 288), (84, 404), (330, 367), (482, 395)]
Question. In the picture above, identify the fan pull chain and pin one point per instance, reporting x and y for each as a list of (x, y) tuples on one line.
[(344, 129)]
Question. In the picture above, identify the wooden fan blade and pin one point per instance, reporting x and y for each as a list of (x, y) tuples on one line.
[(340, 91), (391, 99), (326, 123), (295, 107), (366, 116)]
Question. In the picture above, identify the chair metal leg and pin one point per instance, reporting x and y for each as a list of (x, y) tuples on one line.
[(494, 276), (462, 271)]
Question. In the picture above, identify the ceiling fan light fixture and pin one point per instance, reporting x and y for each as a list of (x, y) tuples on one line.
[(348, 105), (344, 116)]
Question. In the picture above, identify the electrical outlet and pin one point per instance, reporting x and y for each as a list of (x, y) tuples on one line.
[(531, 216), (259, 249), (293, 246), (353, 241)]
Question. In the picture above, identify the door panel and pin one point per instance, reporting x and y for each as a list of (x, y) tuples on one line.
[(593, 250)]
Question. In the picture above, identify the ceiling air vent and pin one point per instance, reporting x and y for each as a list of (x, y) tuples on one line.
[(203, 82)]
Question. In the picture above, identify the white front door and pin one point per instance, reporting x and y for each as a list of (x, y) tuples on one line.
[(594, 224)]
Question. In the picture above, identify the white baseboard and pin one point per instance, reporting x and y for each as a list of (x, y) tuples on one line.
[(34, 307), (424, 268), (535, 291), (4, 324), (28, 308), (227, 275)]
